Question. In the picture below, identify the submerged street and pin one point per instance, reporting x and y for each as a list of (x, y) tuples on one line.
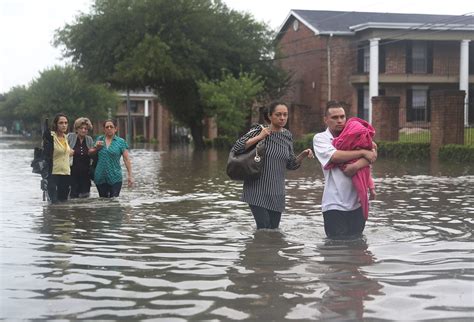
[(181, 246)]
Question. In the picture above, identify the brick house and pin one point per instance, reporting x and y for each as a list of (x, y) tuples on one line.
[(149, 119), (353, 56)]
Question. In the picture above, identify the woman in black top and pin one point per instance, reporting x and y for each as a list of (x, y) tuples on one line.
[(80, 142), (266, 195)]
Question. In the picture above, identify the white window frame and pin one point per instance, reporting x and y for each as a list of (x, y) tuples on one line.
[(419, 99), (419, 57)]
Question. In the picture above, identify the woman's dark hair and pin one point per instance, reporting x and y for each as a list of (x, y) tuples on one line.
[(273, 105), (54, 126), (114, 122)]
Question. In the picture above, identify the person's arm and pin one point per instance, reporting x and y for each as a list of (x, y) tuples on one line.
[(352, 168), (308, 153), (98, 145), (341, 156), (128, 165), (262, 135)]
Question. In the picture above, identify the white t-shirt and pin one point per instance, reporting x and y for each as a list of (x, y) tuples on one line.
[(339, 192)]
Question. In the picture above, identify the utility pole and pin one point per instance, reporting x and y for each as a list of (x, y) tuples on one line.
[(129, 119)]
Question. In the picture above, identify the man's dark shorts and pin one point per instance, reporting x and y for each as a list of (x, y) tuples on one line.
[(342, 224)]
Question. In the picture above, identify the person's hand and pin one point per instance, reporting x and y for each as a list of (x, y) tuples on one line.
[(264, 133), (350, 169), (130, 181), (71, 152), (308, 153), (371, 156), (99, 145), (372, 194)]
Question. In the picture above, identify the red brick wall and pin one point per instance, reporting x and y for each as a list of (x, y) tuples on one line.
[(446, 58), (447, 117), (395, 56), (385, 117), (304, 56)]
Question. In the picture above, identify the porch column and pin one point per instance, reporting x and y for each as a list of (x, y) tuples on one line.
[(464, 77), (373, 73)]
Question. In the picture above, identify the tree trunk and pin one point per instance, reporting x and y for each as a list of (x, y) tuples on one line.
[(196, 133)]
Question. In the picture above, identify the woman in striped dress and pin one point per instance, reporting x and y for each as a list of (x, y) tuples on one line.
[(266, 195)]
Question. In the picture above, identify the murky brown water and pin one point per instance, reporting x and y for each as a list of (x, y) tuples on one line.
[(180, 246)]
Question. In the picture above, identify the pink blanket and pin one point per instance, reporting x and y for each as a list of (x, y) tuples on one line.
[(357, 134)]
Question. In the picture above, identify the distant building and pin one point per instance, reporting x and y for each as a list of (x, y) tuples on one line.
[(353, 56), (150, 121)]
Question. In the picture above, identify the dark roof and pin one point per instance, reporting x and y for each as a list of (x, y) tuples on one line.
[(340, 21)]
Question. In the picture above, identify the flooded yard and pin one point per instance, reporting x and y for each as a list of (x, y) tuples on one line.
[(180, 246)]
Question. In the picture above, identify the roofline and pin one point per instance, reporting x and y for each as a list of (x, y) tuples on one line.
[(417, 26), (292, 13), (316, 31)]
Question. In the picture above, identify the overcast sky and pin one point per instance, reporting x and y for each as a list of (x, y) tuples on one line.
[(27, 26)]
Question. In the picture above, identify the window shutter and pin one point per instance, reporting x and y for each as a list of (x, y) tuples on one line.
[(382, 58), (428, 105), (429, 58), (409, 105), (408, 57), (360, 59), (360, 103)]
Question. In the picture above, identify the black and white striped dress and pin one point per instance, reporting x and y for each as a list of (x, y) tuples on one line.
[(269, 190)]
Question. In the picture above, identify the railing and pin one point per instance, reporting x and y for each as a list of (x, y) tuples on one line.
[(469, 134), (416, 127)]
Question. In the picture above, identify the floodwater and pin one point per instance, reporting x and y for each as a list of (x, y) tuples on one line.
[(180, 246)]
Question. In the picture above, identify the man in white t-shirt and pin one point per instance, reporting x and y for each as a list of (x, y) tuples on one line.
[(340, 204)]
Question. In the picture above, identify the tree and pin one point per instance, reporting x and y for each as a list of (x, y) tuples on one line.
[(10, 105), (63, 89), (230, 99), (59, 89), (169, 45)]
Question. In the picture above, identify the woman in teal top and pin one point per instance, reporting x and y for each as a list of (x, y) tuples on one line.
[(108, 173)]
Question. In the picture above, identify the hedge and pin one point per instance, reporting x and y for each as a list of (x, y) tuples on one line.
[(457, 152)]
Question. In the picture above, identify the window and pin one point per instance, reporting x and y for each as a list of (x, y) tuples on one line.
[(363, 57), (133, 106), (419, 57), (366, 60), (418, 105)]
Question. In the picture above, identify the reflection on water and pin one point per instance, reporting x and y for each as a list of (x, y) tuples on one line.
[(181, 246)]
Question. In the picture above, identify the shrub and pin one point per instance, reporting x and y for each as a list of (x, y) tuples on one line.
[(139, 139), (457, 152), (304, 143), (223, 142), (403, 150)]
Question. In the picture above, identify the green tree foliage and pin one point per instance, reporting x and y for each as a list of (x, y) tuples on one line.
[(10, 105), (169, 45), (229, 100), (59, 89)]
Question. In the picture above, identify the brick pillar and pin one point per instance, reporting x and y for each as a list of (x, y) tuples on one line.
[(385, 117), (164, 128), (447, 119), (210, 127)]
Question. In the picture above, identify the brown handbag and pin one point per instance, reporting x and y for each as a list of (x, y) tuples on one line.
[(247, 165)]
